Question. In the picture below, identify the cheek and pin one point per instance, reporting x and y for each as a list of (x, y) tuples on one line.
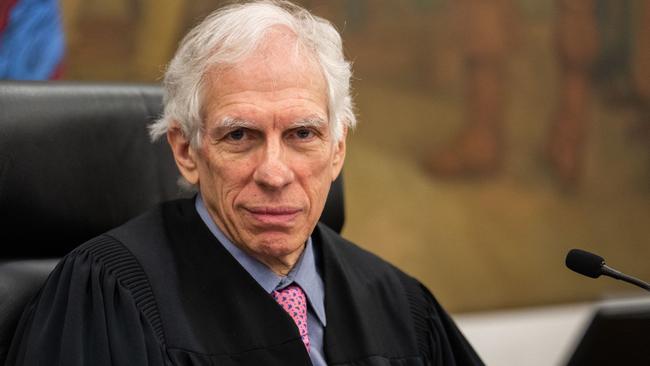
[(228, 179), (310, 167), (239, 187), (316, 180)]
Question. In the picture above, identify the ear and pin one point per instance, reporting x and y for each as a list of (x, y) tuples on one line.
[(184, 154), (339, 155)]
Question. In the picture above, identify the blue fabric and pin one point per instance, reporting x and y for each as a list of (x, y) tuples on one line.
[(305, 273), (32, 44)]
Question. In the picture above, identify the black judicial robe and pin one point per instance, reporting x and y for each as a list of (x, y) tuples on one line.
[(160, 290)]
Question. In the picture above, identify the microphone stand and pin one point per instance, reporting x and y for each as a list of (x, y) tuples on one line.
[(611, 272)]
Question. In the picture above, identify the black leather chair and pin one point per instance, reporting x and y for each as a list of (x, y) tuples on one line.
[(75, 161)]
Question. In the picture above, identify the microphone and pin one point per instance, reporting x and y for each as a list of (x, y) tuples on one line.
[(592, 265)]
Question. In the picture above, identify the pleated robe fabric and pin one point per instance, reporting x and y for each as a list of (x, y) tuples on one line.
[(160, 290)]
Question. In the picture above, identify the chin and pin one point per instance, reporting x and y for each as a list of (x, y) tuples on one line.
[(278, 245)]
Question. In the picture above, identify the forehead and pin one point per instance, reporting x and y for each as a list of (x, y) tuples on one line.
[(279, 70)]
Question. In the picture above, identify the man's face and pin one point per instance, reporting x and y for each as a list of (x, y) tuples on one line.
[(266, 157)]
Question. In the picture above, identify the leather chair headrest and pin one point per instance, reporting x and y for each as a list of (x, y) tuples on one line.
[(75, 161)]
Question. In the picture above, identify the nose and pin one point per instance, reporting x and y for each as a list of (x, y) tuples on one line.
[(273, 172)]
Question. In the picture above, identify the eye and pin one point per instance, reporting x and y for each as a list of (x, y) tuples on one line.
[(236, 135), (304, 133)]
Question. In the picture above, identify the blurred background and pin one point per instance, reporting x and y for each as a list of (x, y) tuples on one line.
[(494, 135)]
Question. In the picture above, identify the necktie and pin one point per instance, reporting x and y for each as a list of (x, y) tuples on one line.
[(293, 300)]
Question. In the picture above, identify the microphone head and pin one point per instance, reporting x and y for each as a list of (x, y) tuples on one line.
[(585, 263)]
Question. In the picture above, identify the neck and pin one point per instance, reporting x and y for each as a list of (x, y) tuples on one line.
[(281, 265)]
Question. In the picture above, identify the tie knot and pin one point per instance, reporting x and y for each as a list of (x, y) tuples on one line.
[(293, 300)]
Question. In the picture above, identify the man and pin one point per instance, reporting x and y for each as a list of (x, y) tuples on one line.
[(257, 108)]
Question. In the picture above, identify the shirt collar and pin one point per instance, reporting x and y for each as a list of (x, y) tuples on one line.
[(305, 273)]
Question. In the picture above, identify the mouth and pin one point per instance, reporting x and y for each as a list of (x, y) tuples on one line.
[(273, 216)]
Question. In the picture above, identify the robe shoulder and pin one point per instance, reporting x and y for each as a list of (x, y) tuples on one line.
[(143, 294), (414, 311), (96, 308)]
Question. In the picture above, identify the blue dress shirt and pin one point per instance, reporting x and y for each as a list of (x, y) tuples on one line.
[(305, 273)]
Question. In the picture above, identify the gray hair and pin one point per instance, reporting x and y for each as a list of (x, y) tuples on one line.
[(230, 34)]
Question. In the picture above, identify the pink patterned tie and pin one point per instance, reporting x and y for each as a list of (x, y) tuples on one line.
[(293, 301)]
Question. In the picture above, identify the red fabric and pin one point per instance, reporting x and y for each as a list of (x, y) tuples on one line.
[(5, 10), (57, 74)]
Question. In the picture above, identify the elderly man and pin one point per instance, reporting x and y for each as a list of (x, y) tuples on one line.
[(257, 109)]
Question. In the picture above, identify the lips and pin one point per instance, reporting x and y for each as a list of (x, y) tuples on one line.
[(274, 216)]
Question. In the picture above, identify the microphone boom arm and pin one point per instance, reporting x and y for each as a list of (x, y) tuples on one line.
[(611, 272)]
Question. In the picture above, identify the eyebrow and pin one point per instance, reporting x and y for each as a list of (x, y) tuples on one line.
[(311, 121), (234, 123)]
